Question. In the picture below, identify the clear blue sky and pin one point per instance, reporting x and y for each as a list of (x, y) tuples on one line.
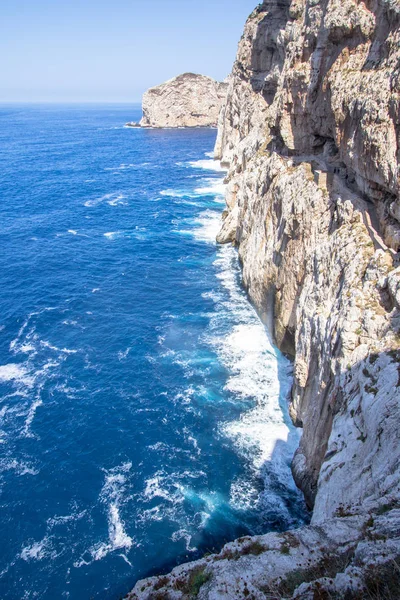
[(112, 50)]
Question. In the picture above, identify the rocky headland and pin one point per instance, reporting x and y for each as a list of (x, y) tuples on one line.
[(310, 134), (188, 100)]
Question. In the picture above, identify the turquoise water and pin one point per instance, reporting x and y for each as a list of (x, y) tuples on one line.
[(143, 417)]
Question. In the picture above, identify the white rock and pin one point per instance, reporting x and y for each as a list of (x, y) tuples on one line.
[(188, 100)]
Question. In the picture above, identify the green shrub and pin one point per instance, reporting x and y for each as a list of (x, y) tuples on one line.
[(196, 579)]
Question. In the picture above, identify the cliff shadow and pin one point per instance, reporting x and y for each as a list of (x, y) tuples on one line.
[(266, 53)]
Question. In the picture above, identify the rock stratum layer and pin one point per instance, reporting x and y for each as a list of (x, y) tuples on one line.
[(188, 100), (310, 134)]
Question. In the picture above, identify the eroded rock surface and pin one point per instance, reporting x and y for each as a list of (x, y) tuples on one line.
[(347, 557), (188, 100), (310, 134)]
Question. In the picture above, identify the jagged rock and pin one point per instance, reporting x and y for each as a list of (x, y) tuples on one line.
[(188, 100), (345, 558)]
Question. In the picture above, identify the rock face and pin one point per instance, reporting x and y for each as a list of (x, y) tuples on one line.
[(344, 558), (310, 133), (188, 100)]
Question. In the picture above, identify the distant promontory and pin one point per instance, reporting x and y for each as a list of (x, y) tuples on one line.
[(188, 100)]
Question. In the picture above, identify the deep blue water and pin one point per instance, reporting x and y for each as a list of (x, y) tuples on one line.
[(142, 405)]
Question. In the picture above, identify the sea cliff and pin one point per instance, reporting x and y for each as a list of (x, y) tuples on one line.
[(188, 100), (310, 135)]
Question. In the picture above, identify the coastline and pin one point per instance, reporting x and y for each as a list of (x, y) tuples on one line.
[(303, 178), (135, 125)]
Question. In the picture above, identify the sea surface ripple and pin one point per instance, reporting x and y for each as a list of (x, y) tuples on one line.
[(143, 416)]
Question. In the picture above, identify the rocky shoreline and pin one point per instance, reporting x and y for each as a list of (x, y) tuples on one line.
[(310, 134)]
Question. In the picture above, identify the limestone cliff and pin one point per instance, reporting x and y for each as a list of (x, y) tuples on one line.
[(310, 134), (188, 100)]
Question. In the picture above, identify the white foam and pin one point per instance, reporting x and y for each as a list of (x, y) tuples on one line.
[(208, 226), (62, 350), (27, 348), (30, 337), (125, 167), (172, 494), (193, 441), (113, 199), (72, 231), (177, 193), (110, 235), (60, 520), (38, 550), (213, 295), (244, 495), (159, 446), (14, 372), (169, 487), (123, 354), (153, 489), (112, 496), (117, 200), (27, 379), (208, 165), (139, 234), (258, 374), (118, 538), (20, 467), (70, 392), (185, 535), (34, 552), (151, 514), (190, 203), (122, 167), (31, 414), (213, 187)]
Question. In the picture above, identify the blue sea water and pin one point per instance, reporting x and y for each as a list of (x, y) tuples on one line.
[(143, 416)]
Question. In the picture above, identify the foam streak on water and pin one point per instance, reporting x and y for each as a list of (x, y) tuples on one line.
[(112, 496), (143, 413)]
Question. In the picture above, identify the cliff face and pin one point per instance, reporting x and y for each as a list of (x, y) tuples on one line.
[(310, 134), (188, 100)]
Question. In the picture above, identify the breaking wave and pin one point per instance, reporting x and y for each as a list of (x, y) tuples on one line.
[(207, 164)]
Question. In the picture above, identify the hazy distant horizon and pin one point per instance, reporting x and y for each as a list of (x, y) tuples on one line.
[(103, 53), (137, 103)]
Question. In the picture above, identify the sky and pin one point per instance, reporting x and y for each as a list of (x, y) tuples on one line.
[(112, 50)]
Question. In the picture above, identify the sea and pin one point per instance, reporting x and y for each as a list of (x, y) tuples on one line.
[(143, 405)]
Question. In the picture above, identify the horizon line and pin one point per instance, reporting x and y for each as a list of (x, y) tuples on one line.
[(137, 102)]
